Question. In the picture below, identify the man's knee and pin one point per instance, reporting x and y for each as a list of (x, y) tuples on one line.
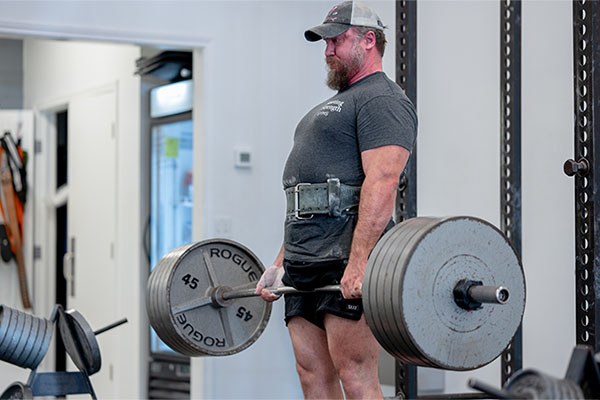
[(351, 370), (316, 369), (360, 380)]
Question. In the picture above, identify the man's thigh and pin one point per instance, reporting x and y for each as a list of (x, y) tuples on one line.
[(310, 344), (351, 341)]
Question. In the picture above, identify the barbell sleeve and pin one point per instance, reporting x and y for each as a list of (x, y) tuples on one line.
[(491, 390), (471, 295), (489, 294), (111, 326)]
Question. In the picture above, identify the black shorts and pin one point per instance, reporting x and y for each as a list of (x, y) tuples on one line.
[(314, 306)]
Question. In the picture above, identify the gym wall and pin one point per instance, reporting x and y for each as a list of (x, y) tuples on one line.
[(259, 76)]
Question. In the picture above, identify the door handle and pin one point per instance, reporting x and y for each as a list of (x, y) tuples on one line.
[(69, 268)]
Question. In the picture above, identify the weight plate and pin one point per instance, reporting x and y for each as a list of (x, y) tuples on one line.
[(24, 338), (15, 329), (186, 277), (380, 286), (531, 384), (17, 390), (80, 341), (400, 244), (408, 292), (33, 345), (16, 356), (46, 331), (5, 326)]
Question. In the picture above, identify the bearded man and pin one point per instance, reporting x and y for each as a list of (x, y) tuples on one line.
[(341, 180)]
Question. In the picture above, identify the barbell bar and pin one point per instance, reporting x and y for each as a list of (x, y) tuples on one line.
[(220, 296), (468, 295), (423, 294)]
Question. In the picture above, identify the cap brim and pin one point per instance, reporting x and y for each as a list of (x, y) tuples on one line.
[(325, 31)]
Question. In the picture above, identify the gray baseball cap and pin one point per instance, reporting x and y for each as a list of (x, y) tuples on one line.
[(341, 17)]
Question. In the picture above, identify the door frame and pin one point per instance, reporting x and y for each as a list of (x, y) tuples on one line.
[(47, 198)]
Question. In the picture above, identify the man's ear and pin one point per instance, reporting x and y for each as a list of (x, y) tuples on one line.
[(370, 40)]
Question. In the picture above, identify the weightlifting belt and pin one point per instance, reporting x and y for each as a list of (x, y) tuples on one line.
[(331, 198)]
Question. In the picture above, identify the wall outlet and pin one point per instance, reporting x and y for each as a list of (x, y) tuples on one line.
[(243, 158), (223, 226)]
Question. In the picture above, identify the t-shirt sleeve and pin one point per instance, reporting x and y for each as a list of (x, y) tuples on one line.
[(387, 120)]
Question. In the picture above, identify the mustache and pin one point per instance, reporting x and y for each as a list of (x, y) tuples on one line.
[(332, 61)]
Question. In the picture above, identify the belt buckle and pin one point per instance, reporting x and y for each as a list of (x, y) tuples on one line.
[(297, 201)]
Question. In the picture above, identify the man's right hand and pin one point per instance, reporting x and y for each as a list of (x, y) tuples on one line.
[(270, 278)]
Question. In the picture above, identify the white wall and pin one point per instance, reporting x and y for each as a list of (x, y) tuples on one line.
[(548, 205), (459, 121), (260, 76)]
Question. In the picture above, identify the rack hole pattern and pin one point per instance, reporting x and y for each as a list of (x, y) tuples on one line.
[(585, 32), (510, 157)]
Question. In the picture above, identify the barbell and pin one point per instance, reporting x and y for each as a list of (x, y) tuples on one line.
[(439, 292)]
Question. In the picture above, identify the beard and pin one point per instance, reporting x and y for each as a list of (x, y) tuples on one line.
[(340, 73)]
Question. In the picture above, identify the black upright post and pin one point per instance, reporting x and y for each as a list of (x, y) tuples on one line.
[(406, 203), (510, 152), (406, 77), (585, 168)]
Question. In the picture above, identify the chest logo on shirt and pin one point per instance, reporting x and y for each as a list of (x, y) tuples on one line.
[(332, 106)]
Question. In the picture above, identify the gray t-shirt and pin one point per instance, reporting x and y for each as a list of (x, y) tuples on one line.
[(328, 142)]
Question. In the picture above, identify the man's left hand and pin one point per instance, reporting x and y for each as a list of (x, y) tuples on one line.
[(352, 281)]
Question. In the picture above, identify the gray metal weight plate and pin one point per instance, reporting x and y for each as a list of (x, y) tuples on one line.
[(17, 390), (530, 384), (5, 326), (24, 338), (80, 341), (408, 292), (180, 306)]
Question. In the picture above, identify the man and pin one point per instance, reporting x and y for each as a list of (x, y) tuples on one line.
[(341, 180)]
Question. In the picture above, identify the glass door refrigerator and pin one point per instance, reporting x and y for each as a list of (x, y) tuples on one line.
[(171, 200)]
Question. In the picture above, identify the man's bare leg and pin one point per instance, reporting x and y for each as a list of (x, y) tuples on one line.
[(317, 373), (355, 354)]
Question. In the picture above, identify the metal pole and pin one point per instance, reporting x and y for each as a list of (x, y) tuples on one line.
[(406, 202), (510, 152), (586, 83)]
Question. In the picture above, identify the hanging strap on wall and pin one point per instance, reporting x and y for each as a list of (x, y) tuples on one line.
[(11, 208)]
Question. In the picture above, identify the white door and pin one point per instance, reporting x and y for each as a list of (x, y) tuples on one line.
[(92, 175)]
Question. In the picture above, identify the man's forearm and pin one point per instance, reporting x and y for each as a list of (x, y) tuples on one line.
[(376, 207), (279, 259)]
